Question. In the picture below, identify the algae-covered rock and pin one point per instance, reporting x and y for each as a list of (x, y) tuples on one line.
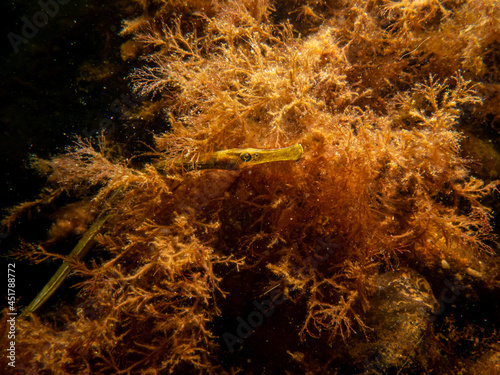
[(399, 318), (484, 157)]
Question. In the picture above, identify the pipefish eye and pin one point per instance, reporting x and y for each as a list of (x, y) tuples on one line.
[(246, 157)]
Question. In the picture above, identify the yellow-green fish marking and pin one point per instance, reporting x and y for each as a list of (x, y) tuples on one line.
[(237, 158)]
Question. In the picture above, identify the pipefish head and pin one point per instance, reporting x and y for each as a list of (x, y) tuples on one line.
[(253, 156)]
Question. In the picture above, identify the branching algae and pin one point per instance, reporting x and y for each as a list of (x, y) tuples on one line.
[(376, 94), (227, 159)]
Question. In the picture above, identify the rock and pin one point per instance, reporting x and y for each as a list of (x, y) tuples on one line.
[(399, 316)]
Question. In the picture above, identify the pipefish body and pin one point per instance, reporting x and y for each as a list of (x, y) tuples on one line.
[(231, 159), (237, 158)]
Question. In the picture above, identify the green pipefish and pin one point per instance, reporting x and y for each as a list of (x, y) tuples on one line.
[(237, 158), (231, 159)]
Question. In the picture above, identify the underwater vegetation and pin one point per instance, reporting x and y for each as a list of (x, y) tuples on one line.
[(380, 207)]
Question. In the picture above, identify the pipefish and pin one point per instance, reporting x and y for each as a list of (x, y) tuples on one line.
[(231, 159), (237, 158)]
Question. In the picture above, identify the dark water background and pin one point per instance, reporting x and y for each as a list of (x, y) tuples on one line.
[(48, 97)]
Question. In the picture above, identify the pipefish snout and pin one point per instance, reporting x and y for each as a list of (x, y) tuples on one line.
[(237, 158)]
